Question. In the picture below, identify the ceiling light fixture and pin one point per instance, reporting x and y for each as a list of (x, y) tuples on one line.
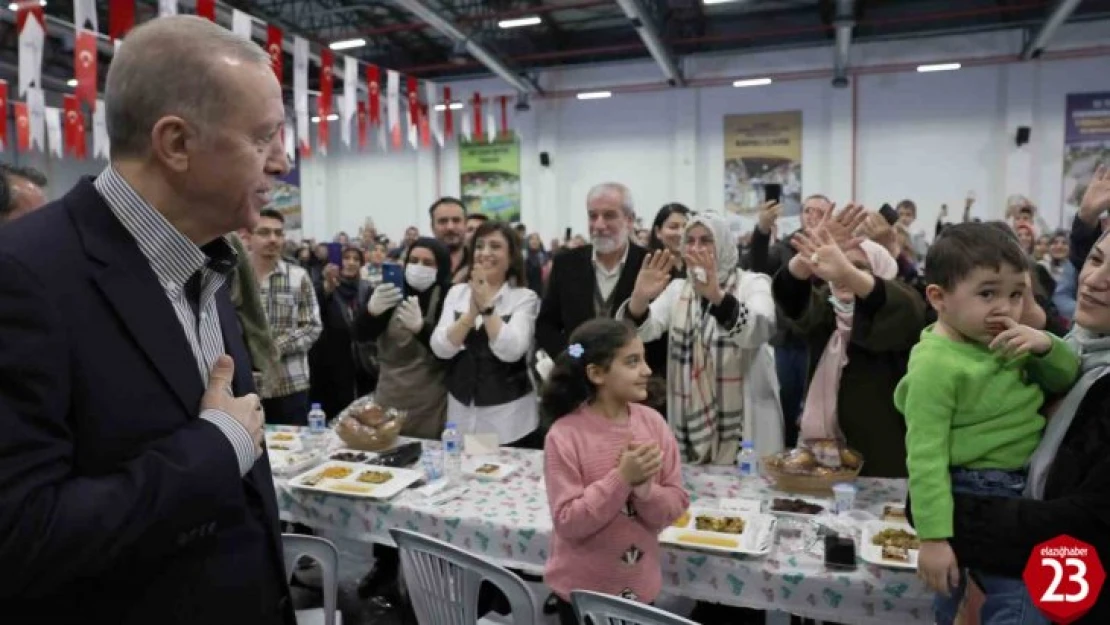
[(594, 95), (531, 20), (347, 44), (72, 82), (752, 82), (331, 118), (938, 67), (455, 106), (16, 6), (717, 1)]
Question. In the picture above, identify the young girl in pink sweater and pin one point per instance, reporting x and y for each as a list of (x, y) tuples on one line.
[(612, 468)]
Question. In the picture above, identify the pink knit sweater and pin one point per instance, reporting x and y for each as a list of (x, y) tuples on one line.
[(606, 532)]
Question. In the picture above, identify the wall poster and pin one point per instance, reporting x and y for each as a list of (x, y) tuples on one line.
[(1086, 144), (763, 148), (490, 178)]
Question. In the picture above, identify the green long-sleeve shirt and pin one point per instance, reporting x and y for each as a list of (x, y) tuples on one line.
[(967, 407)]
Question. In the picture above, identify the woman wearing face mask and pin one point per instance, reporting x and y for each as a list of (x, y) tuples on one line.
[(411, 378), (342, 368), (859, 327), (485, 333), (721, 382)]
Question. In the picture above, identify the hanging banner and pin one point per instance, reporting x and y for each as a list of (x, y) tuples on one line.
[(430, 118), (100, 131), (478, 115), (324, 101), (300, 92), (374, 90), (121, 18), (81, 150), (32, 34), (350, 98), (242, 24), (54, 134), (84, 15), (84, 67), (71, 110), (167, 8), (4, 144), (489, 178), (363, 120), (1086, 144), (274, 38), (207, 9), (759, 149), (392, 106), (36, 112), (448, 114), (22, 126)]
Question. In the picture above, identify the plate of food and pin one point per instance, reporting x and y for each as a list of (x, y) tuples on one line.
[(893, 545), (806, 507), (721, 531), (352, 455), (488, 470), (293, 462), (894, 513), (356, 479), (283, 441)]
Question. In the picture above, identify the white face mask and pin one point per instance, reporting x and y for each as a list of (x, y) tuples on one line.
[(420, 277)]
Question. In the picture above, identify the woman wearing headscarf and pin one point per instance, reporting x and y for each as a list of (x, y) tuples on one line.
[(721, 382), (859, 327), (410, 376)]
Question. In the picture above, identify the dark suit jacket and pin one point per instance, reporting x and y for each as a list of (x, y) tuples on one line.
[(118, 504), (569, 299)]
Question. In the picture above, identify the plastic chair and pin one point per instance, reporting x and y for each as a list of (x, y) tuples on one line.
[(296, 546), (443, 582), (603, 609)]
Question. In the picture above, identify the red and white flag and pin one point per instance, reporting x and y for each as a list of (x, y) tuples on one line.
[(413, 100), (448, 114), (374, 92), (274, 38), (54, 131), (300, 93), (242, 24), (22, 126), (4, 145), (71, 110), (121, 18), (350, 98), (84, 67), (477, 115), (36, 114), (324, 102), (363, 122), (80, 146), (504, 117), (100, 132), (430, 114), (32, 35), (207, 9), (84, 15), (393, 106)]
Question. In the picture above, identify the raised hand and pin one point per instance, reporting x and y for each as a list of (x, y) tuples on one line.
[(1016, 339), (842, 226), (1096, 199), (384, 297), (331, 277), (823, 256), (701, 271), (654, 276), (768, 215)]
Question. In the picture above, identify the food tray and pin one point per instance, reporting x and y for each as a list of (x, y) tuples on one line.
[(873, 554), (284, 463), (349, 484), (826, 507), (284, 441), (756, 539), (488, 470)]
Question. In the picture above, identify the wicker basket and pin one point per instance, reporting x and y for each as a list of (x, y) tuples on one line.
[(805, 483), (366, 437)]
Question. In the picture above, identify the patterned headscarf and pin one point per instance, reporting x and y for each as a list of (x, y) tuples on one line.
[(728, 253)]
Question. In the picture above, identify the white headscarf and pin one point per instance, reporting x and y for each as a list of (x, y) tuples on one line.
[(728, 253)]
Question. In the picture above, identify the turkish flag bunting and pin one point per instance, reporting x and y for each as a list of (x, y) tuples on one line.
[(4, 116), (414, 101), (478, 115), (80, 147), (425, 127), (362, 119), (71, 109), (121, 17), (504, 115), (448, 116), (22, 126), (374, 87), (274, 37), (24, 9), (84, 67), (207, 8), (324, 102)]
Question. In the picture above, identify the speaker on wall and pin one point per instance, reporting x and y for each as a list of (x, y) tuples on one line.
[(545, 159), (1022, 136)]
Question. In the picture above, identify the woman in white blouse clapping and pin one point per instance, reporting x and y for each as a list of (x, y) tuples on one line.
[(486, 332)]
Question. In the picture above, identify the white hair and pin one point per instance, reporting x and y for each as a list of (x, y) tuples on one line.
[(615, 188), (168, 66)]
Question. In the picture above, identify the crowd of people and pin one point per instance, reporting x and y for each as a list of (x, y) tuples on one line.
[(133, 481)]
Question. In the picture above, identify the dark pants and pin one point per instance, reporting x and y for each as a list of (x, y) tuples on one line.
[(287, 409), (791, 367)]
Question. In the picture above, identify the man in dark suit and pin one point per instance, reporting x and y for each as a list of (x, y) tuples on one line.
[(133, 485), (593, 280)]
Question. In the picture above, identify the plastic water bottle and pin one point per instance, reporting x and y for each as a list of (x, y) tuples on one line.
[(747, 463), (432, 461), (452, 451), (317, 425)]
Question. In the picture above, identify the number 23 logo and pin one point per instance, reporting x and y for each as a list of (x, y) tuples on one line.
[(1079, 577)]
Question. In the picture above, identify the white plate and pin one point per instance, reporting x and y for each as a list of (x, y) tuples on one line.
[(503, 470), (827, 504), (293, 462), (756, 539), (283, 442), (873, 554), (351, 487)]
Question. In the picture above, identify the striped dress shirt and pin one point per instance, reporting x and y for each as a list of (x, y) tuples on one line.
[(174, 259)]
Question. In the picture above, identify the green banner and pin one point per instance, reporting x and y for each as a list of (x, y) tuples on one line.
[(490, 178)]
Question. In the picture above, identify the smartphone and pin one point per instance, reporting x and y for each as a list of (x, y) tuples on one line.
[(772, 192), (335, 254), (394, 274), (889, 214)]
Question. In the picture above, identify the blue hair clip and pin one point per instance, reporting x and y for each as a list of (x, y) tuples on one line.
[(576, 351)]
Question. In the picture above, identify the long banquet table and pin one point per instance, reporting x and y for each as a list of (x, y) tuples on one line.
[(509, 522)]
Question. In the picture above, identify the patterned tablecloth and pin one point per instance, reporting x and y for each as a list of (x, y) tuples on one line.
[(509, 522)]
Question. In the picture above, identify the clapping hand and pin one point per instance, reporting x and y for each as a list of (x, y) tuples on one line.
[(1016, 339), (481, 294), (842, 226), (654, 276), (639, 462)]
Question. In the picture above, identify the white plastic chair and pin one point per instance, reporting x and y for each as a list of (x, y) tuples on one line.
[(443, 582), (296, 546), (603, 609)]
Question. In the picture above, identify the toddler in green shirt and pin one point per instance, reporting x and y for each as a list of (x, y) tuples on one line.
[(971, 397)]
